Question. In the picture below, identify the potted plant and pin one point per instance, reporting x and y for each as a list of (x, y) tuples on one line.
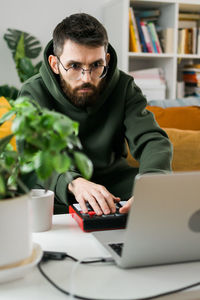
[(24, 48), (48, 144)]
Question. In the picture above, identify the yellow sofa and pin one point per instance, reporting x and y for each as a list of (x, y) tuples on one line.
[(182, 124)]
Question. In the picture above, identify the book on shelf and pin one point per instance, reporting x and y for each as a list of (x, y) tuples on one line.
[(198, 41), (134, 44), (147, 37), (189, 16), (153, 42), (181, 40), (191, 79), (190, 32), (194, 40), (148, 13), (187, 23), (132, 38), (154, 37), (150, 73), (188, 40), (167, 39), (141, 35), (152, 82)]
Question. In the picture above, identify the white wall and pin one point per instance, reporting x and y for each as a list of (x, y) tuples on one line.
[(39, 18)]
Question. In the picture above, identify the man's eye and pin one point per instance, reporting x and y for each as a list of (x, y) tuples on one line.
[(96, 65), (75, 66)]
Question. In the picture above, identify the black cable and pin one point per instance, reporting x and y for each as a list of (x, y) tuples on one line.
[(64, 255), (54, 255)]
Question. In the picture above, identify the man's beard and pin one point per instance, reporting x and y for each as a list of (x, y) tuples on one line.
[(85, 99)]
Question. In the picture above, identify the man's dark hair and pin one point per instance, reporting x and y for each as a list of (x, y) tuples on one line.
[(82, 29)]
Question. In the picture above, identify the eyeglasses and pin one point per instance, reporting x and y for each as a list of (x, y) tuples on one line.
[(76, 72)]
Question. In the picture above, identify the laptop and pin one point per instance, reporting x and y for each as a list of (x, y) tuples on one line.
[(163, 224)]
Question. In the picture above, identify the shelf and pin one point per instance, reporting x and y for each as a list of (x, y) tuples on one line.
[(171, 63), (150, 55), (151, 3), (188, 56), (188, 3)]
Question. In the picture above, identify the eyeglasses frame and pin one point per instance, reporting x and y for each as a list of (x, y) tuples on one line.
[(85, 70)]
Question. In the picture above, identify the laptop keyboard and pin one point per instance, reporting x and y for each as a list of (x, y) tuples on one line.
[(117, 248)]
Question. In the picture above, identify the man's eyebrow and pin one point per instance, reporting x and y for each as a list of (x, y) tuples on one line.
[(70, 62), (100, 60)]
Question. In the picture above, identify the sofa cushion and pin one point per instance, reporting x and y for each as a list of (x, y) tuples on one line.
[(186, 117), (186, 150), (186, 145), (5, 129)]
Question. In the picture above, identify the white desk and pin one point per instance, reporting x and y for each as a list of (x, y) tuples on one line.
[(101, 280)]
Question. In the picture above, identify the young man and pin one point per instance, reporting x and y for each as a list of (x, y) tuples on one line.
[(79, 77)]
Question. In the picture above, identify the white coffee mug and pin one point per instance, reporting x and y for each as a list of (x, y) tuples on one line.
[(42, 203)]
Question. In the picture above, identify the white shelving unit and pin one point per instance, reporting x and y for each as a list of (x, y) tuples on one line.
[(117, 24)]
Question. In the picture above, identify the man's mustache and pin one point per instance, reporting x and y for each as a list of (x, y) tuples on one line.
[(86, 86)]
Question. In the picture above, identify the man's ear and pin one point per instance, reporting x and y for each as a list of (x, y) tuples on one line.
[(53, 63), (107, 58)]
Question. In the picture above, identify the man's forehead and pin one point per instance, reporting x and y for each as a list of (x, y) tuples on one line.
[(82, 53)]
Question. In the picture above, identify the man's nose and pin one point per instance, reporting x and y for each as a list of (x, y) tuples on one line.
[(86, 76)]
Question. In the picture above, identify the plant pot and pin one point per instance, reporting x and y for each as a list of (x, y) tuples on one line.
[(15, 230), (41, 209)]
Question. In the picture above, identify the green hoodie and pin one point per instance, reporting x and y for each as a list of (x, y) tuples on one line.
[(118, 115)]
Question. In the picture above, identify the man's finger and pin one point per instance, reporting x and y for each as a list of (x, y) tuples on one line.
[(125, 209), (83, 205), (96, 207), (102, 202), (110, 199)]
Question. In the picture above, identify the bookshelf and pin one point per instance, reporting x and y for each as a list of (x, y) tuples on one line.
[(116, 20)]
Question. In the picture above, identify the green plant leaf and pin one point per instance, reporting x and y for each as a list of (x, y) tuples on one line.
[(4, 141), (2, 185), (12, 180), (73, 142), (65, 126), (20, 51), (32, 46), (84, 164), (18, 124), (27, 167), (25, 69), (6, 117), (61, 163), (10, 158), (9, 92), (44, 165)]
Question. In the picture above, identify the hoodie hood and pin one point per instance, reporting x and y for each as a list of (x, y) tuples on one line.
[(51, 81)]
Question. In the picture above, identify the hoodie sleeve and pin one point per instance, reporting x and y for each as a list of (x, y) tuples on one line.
[(148, 143)]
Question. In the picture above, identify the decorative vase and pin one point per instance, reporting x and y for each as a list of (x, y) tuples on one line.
[(15, 230)]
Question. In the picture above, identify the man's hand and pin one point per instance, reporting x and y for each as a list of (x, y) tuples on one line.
[(127, 206), (100, 199)]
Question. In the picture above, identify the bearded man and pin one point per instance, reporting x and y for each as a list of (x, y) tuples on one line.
[(79, 78)]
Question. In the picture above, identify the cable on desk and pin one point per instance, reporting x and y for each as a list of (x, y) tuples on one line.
[(87, 260), (63, 255), (53, 255)]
